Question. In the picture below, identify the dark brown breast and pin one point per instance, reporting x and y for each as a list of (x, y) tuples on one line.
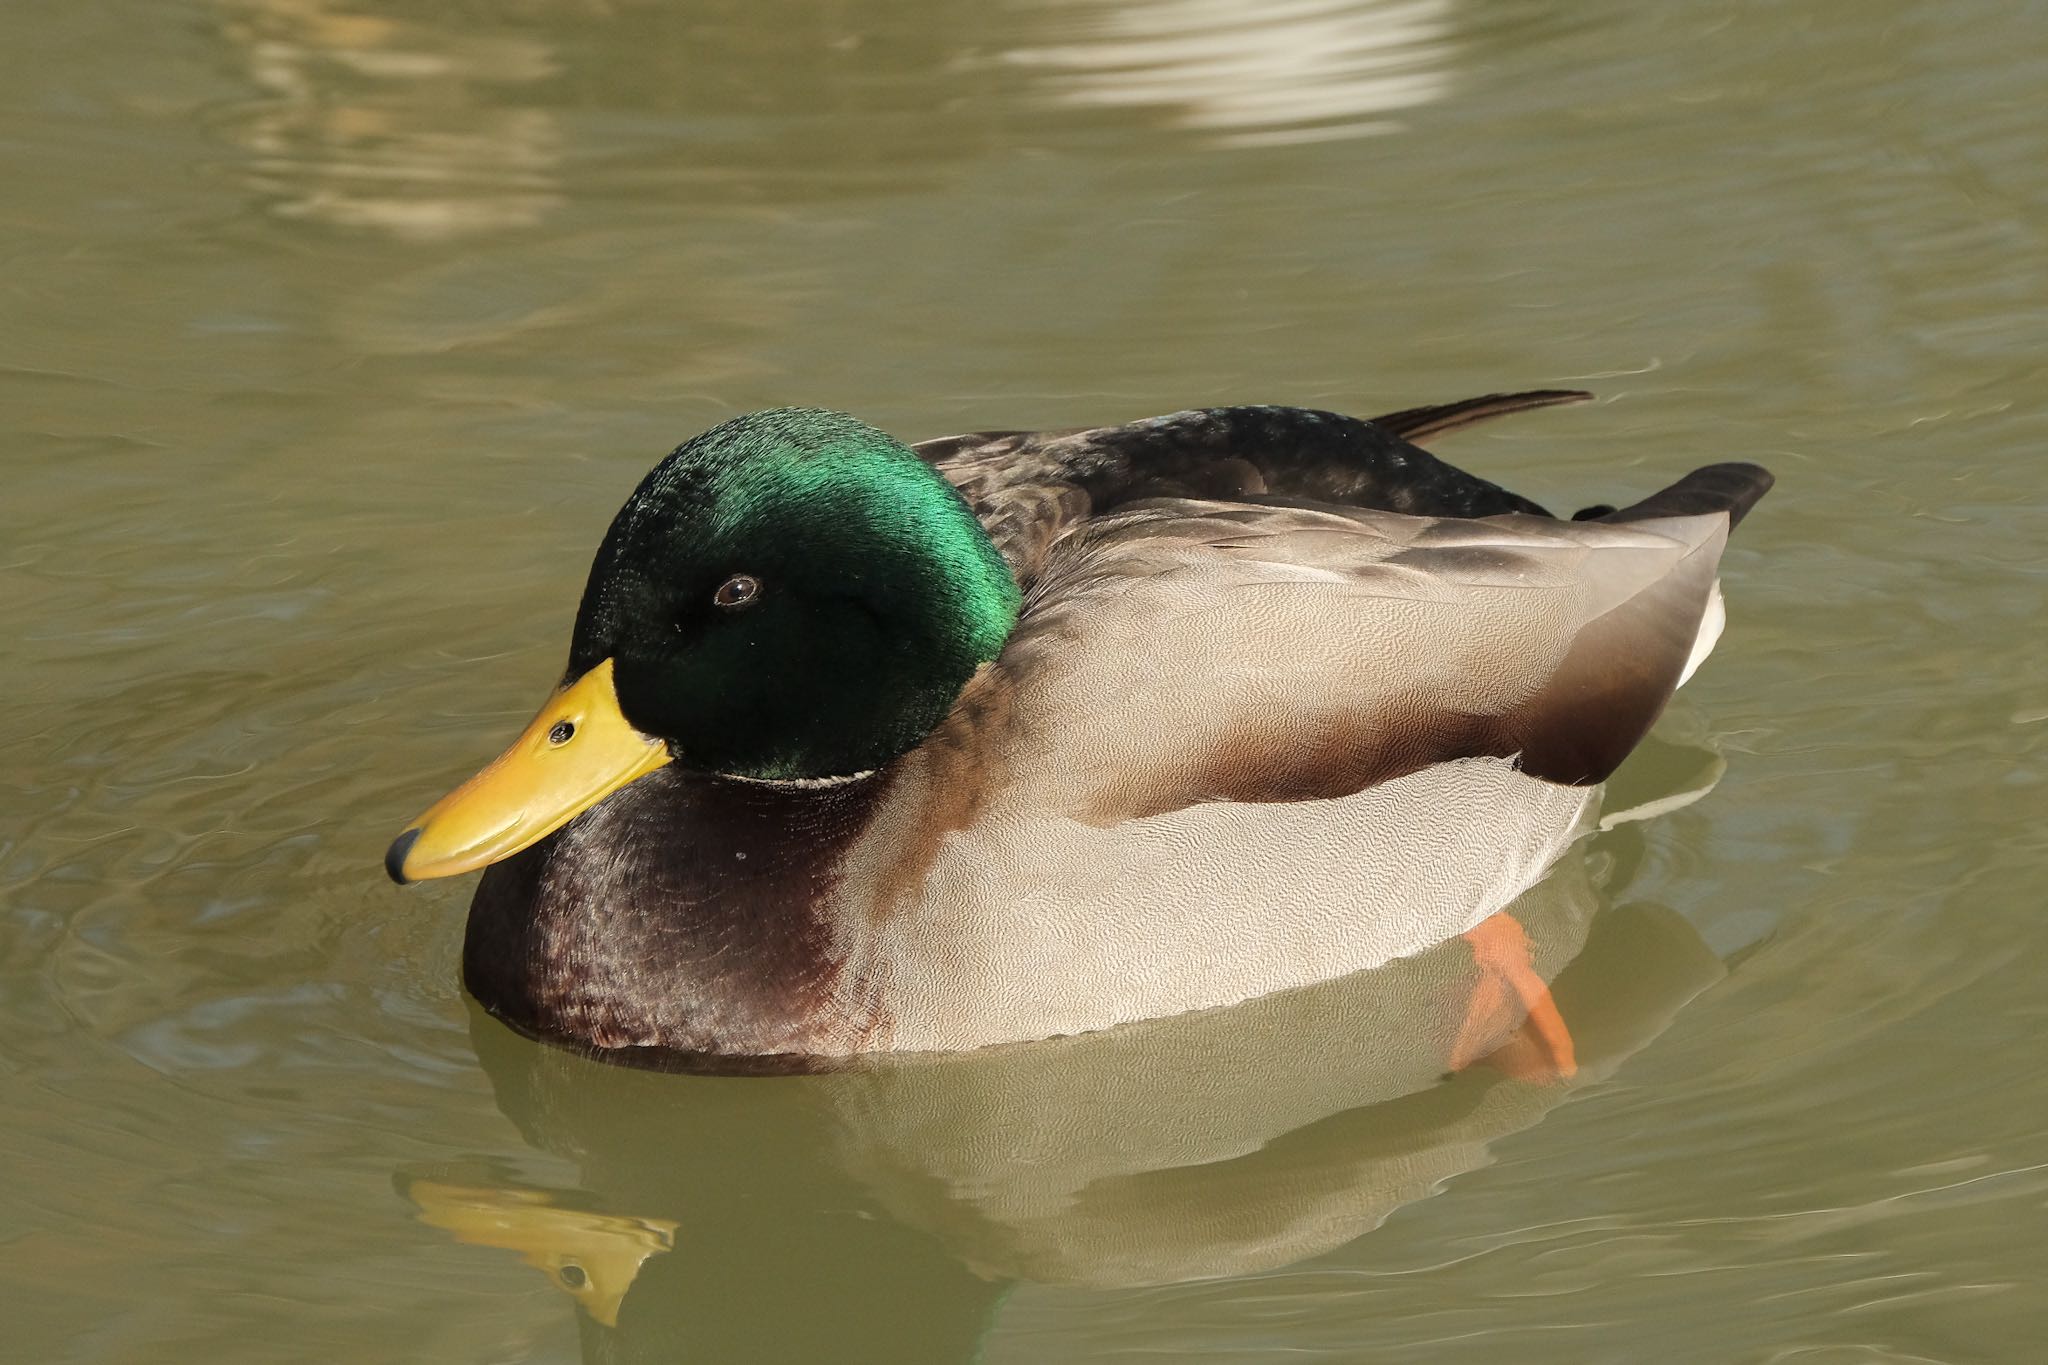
[(683, 913)]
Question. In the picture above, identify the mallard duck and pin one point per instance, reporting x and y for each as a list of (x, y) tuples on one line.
[(865, 747)]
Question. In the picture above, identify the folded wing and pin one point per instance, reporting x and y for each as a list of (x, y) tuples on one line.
[(1182, 651), (1030, 488)]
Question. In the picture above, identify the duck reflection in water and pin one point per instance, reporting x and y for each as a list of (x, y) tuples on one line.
[(883, 1213)]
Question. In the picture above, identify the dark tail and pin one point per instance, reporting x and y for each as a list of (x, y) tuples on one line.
[(1730, 488), (1417, 424)]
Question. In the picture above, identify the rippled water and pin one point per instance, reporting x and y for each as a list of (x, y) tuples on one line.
[(331, 334)]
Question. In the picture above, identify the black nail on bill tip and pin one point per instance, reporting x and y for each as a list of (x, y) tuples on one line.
[(394, 857)]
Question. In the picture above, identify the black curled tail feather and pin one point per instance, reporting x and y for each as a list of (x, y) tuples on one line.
[(1419, 424)]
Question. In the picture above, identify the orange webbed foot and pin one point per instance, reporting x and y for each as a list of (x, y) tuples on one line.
[(1537, 1049)]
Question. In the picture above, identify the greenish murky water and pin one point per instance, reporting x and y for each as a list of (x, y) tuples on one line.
[(333, 331)]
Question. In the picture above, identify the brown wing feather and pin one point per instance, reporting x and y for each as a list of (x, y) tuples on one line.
[(1031, 488), (1188, 652)]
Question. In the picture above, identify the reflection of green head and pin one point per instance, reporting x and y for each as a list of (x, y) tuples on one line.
[(869, 595)]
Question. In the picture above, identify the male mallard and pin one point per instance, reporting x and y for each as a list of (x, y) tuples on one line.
[(864, 747)]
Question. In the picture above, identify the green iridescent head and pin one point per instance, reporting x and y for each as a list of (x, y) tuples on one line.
[(793, 594)]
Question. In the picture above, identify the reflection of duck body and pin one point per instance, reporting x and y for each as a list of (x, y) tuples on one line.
[(1029, 734), (875, 1214)]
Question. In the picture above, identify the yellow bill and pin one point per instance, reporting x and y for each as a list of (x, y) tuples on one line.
[(578, 750)]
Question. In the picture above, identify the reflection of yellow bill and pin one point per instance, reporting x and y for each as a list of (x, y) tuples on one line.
[(593, 1256), (578, 750)]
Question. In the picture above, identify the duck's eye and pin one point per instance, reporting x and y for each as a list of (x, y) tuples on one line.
[(737, 591), (562, 732)]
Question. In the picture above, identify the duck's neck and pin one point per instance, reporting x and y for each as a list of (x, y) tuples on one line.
[(685, 912)]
